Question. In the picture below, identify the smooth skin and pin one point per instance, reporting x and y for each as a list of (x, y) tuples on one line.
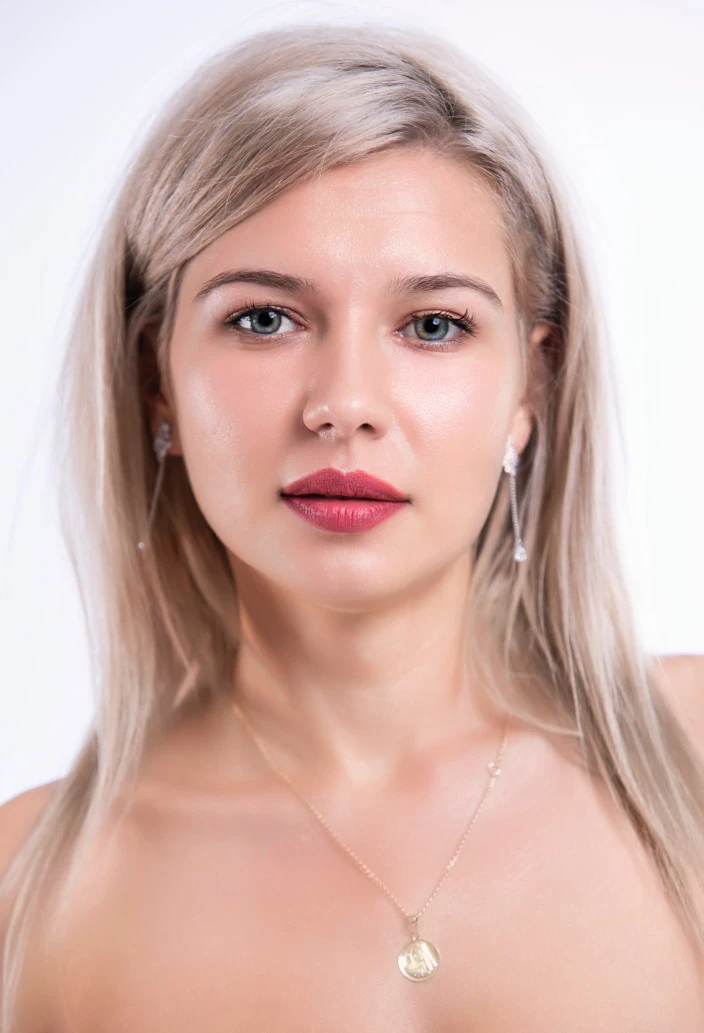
[(351, 661), (218, 903)]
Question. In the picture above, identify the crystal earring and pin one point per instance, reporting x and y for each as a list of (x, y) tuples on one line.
[(511, 461), (162, 444)]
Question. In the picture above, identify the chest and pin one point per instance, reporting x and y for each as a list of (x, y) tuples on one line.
[(552, 920)]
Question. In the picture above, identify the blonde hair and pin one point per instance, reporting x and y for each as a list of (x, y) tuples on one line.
[(272, 111)]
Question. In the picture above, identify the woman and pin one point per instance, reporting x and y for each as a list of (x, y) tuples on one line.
[(377, 746)]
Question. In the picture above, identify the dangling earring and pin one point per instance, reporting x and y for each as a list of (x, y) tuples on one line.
[(511, 461), (162, 444)]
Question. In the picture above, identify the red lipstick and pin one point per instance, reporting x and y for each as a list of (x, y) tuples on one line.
[(343, 502)]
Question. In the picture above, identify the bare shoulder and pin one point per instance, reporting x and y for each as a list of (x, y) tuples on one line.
[(680, 679), (18, 816)]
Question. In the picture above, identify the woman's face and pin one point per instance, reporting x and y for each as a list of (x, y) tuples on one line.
[(351, 371)]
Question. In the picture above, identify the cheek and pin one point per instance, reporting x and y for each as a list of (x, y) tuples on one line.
[(238, 425), (461, 428), (229, 435)]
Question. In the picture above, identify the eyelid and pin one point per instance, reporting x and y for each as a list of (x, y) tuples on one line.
[(248, 306), (453, 317)]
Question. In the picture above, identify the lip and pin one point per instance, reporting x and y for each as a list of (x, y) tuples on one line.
[(342, 515), (358, 484)]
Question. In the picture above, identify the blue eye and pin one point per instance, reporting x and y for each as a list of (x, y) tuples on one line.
[(265, 321), (439, 322)]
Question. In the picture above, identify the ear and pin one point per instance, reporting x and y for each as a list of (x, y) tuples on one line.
[(153, 393), (538, 334), (524, 417)]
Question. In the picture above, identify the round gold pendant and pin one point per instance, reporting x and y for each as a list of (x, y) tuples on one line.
[(418, 959)]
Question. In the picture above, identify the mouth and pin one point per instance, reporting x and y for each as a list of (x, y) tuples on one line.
[(338, 498), (342, 513), (331, 483)]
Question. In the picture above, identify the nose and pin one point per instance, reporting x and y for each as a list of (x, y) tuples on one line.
[(348, 384)]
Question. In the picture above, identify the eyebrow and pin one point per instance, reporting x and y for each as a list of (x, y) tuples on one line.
[(302, 285)]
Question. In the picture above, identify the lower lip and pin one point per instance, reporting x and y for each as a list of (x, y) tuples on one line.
[(343, 515)]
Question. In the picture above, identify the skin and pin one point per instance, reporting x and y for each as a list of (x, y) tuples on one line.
[(216, 902), (345, 382)]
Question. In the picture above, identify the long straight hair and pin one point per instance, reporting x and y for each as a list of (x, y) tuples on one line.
[(272, 111)]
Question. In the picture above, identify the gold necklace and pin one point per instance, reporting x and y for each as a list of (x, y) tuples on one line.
[(418, 959)]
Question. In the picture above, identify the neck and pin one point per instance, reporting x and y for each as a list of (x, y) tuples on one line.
[(362, 699)]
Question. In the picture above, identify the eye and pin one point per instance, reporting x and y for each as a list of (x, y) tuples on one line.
[(437, 323), (264, 320)]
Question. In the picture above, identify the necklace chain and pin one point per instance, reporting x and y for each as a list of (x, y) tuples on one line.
[(494, 767)]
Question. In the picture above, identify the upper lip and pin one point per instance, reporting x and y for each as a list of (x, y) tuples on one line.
[(357, 485)]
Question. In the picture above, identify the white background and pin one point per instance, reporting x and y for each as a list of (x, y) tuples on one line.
[(618, 91)]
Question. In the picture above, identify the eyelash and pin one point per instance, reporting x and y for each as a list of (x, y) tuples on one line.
[(465, 322)]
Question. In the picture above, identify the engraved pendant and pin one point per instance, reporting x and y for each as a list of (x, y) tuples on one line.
[(418, 959)]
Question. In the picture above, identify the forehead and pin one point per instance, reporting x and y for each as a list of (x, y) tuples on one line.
[(355, 227)]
